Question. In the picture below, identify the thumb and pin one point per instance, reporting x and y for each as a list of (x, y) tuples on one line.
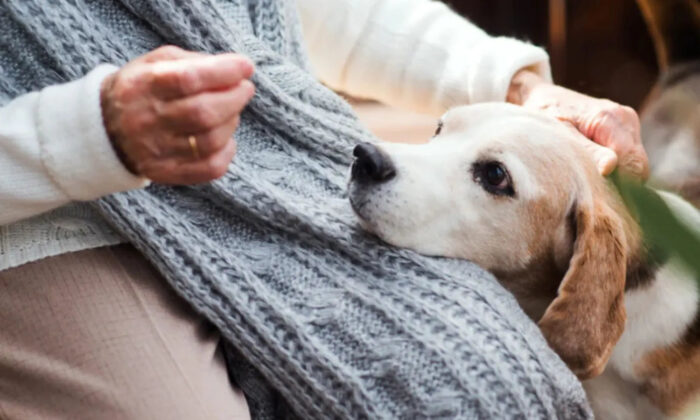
[(605, 159)]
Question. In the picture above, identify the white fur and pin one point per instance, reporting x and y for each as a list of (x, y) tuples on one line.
[(435, 207), (657, 316)]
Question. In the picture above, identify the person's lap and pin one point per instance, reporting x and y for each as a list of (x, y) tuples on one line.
[(98, 334)]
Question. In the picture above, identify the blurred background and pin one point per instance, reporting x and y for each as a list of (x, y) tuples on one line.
[(599, 47)]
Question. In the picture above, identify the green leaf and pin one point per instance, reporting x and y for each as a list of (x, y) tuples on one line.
[(663, 230)]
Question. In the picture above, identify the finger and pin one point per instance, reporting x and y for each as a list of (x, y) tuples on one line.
[(205, 111), (209, 169), (206, 143), (632, 158), (181, 78), (169, 52), (614, 129), (606, 160), (176, 172), (635, 163)]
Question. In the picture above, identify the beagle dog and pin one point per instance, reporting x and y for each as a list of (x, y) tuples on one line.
[(515, 192)]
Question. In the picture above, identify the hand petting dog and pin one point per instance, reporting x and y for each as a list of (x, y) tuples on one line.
[(614, 128)]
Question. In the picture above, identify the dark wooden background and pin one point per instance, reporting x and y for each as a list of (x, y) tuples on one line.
[(599, 47)]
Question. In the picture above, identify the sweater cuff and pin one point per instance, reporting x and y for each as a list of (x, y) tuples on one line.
[(499, 59), (75, 148)]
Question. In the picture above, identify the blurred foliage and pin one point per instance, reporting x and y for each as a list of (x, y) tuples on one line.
[(663, 230)]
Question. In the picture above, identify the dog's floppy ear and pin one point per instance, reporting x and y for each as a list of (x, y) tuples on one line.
[(588, 316)]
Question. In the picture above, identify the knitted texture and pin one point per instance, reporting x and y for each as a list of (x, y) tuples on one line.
[(320, 320)]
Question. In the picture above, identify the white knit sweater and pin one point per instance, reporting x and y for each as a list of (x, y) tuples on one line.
[(415, 54)]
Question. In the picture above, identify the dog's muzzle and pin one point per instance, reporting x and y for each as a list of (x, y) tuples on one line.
[(372, 165)]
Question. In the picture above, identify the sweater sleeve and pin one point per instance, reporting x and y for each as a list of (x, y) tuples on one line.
[(54, 149), (414, 54)]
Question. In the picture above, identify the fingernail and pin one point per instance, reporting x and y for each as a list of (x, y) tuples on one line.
[(248, 67), (248, 86), (242, 62)]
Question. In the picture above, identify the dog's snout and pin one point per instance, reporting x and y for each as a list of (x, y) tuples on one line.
[(371, 164)]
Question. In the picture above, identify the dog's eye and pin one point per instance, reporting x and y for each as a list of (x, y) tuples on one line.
[(493, 177), (438, 129)]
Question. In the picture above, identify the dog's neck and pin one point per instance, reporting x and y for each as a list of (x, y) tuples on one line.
[(535, 286), (642, 267)]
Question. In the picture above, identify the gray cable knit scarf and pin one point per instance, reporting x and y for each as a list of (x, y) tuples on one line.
[(320, 320)]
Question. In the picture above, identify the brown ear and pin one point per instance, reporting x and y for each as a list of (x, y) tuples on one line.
[(588, 316)]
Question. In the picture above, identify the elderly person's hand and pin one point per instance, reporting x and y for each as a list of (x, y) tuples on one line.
[(614, 127), (171, 113)]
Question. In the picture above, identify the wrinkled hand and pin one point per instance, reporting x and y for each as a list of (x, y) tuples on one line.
[(614, 127), (153, 105)]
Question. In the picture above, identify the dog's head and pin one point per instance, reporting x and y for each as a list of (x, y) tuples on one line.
[(516, 193)]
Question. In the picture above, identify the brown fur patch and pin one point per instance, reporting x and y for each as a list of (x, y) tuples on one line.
[(587, 318), (535, 284), (672, 374)]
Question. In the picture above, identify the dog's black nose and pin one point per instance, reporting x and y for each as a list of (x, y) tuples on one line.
[(371, 164)]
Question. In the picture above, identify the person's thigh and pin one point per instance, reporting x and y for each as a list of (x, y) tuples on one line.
[(98, 334)]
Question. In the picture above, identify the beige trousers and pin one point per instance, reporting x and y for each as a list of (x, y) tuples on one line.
[(98, 334)]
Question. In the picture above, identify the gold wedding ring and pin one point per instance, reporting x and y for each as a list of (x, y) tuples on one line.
[(193, 146)]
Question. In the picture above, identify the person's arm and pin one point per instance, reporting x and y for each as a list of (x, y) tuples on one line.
[(168, 116), (414, 54), (54, 149), (419, 55)]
